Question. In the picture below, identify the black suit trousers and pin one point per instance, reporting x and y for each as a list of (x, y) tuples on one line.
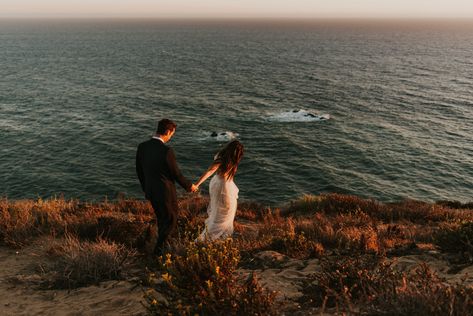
[(167, 222)]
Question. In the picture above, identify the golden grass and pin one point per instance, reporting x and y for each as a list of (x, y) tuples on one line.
[(23, 220), (408, 210), (98, 239)]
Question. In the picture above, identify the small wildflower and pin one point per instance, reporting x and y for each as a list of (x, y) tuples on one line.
[(168, 262), (209, 283), (166, 277)]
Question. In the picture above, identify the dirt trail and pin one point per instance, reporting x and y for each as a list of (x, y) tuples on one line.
[(20, 293)]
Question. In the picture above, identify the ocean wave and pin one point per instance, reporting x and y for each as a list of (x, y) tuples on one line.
[(298, 116), (219, 136)]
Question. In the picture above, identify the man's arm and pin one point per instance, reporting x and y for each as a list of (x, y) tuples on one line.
[(139, 169), (176, 172)]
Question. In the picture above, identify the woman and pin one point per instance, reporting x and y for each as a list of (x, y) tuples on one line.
[(223, 192)]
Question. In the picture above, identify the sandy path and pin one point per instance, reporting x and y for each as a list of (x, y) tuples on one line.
[(19, 293)]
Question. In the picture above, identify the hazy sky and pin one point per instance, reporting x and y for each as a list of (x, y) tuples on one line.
[(238, 8)]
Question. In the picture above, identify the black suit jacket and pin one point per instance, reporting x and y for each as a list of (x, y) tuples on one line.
[(157, 171)]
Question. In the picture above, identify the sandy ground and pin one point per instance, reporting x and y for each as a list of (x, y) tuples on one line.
[(287, 280), (20, 293)]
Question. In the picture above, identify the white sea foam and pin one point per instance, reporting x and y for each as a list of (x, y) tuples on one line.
[(220, 136), (298, 116)]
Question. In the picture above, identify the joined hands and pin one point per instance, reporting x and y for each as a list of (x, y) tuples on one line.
[(194, 188)]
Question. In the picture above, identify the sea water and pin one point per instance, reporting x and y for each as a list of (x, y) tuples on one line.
[(380, 111)]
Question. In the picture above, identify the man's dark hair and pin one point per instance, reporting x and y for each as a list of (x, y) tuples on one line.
[(165, 125)]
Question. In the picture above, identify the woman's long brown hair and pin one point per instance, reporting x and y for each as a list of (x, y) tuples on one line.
[(229, 158)]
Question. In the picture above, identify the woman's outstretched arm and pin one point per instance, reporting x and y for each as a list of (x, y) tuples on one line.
[(210, 171)]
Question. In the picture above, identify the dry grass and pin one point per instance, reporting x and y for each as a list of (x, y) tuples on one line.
[(366, 285), (420, 293), (352, 237), (457, 240), (123, 221), (74, 263), (295, 243), (20, 221), (408, 210)]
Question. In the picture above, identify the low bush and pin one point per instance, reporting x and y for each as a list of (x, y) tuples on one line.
[(457, 240), (306, 204), (124, 221), (420, 293), (203, 281), (192, 205), (80, 263), (296, 244), (367, 285), (408, 210), (23, 220), (343, 282), (252, 211), (455, 204), (116, 227), (318, 228)]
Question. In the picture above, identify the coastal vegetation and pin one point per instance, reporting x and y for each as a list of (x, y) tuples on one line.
[(341, 254)]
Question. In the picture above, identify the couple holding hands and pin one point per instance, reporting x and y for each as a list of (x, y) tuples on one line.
[(157, 171)]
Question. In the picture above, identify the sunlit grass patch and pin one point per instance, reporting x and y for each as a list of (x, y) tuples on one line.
[(21, 221), (74, 263)]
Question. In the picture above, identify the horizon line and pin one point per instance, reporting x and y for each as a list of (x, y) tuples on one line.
[(449, 19)]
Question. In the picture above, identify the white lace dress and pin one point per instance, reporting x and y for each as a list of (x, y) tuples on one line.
[(221, 210)]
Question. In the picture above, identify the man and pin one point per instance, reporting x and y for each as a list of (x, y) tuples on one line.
[(157, 171)]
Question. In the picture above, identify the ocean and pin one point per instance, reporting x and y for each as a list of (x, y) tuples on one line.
[(379, 110)]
